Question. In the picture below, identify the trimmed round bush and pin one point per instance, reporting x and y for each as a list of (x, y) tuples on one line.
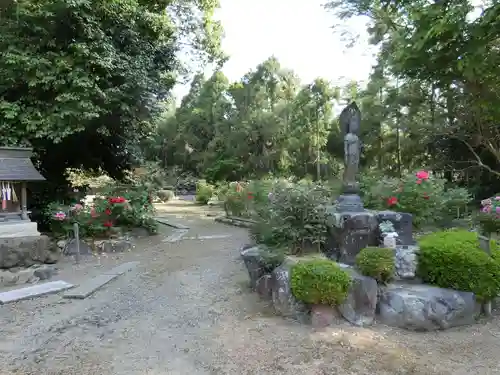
[(453, 259), (319, 281), (376, 262), (204, 192)]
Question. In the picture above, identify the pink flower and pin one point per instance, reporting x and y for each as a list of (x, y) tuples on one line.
[(497, 210), (486, 209), (77, 207), (60, 215), (422, 175), (497, 198), (419, 182)]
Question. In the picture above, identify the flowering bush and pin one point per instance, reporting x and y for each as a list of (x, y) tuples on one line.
[(420, 194), (106, 216), (489, 216), (293, 216)]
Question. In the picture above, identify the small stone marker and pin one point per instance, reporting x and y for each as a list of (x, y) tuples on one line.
[(34, 291), (176, 236), (89, 287)]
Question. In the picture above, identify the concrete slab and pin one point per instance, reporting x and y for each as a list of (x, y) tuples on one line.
[(176, 236), (34, 291), (122, 268), (212, 237), (166, 221), (89, 287)]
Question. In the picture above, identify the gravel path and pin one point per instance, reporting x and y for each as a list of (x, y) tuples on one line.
[(187, 310)]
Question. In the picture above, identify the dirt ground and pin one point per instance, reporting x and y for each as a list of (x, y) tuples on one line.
[(187, 310)]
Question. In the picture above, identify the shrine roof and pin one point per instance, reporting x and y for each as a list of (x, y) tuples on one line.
[(16, 165)]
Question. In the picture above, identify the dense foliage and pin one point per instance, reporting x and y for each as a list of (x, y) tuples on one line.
[(83, 81), (376, 262), (293, 215), (453, 259), (319, 281)]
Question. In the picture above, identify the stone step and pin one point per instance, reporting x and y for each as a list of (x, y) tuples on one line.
[(34, 291)]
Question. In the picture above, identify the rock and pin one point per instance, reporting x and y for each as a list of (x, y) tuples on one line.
[(263, 287), (23, 251), (403, 225), (323, 316), (9, 278), (114, 246), (406, 261), (361, 302), (425, 307), (284, 302), (44, 272), (71, 248), (255, 263)]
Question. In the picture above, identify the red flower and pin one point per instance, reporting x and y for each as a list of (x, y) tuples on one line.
[(426, 196), (422, 175), (93, 212), (117, 200), (250, 195), (107, 212), (108, 224), (392, 201)]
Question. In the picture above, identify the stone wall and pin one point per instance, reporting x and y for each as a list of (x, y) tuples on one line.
[(27, 251)]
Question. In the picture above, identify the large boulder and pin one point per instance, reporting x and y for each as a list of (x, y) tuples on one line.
[(284, 302), (361, 302), (255, 262), (425, 308)]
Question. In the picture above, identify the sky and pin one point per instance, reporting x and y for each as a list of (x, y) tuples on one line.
[(298, 33)]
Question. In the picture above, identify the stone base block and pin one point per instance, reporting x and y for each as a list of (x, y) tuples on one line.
[(27, 251), (20, 228), (349, 233)]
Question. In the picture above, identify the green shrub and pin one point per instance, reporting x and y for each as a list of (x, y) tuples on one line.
[(204, 192), (294, 216), (453, 259), (376, 262), (319, 281)]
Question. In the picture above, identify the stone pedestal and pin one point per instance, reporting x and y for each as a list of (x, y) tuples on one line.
[(403, 225), (18, 228), (350, 232)]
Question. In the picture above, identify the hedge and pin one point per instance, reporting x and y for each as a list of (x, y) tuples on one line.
[(453, 259)]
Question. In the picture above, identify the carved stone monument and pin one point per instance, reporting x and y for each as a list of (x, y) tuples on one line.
[(351, 227)]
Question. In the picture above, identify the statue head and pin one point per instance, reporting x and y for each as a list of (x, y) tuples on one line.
[(350, 119)]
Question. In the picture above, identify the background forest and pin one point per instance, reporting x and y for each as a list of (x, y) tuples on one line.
[(88, 84)]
